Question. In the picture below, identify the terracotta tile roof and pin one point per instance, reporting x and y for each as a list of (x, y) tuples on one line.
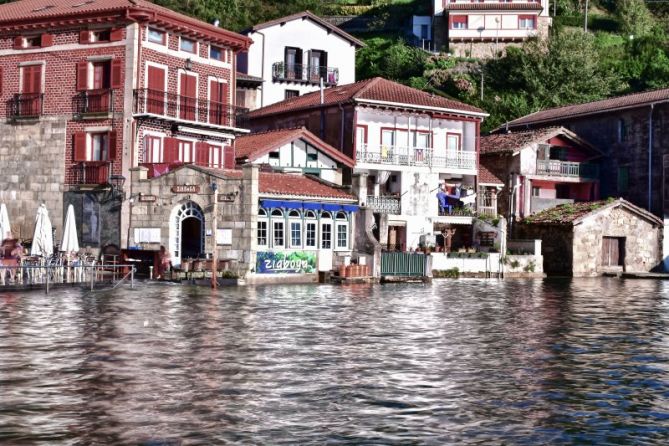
[(255, 145), (485, 176), (572, 214), (34, 10), (374, 89), (285, 184), (493, 7), (313, 17), (514, 141), (555, 115)]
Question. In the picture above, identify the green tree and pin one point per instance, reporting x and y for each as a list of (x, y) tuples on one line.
[(635, 18)]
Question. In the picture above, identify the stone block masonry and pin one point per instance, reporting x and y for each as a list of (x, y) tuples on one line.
[(32, 156)]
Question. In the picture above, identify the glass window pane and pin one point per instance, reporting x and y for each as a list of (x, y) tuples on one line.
[(342, 236), (311, 235), (156, 36), (295, 234), (262, 233), (187, 45), (278, 233), (326, 236)]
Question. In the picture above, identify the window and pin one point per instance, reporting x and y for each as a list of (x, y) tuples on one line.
[(312, 156), (100, 36), (527, 22), (153, 149), (326, 235), (295, 234), (186, 151), (33, 42), (458, 22), (277, 233), (536, 191), (291, 94), (453, 142), (292, 68), (622, 130), (187, 45), (558, 153), (274, 155), (262, 233), (623, 179), (99, 147), (157, 36), (216, 53), (310, 241), (388, 138)]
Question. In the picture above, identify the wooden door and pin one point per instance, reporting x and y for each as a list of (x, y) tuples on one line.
[(613, 251), (156, 91), (187, 96), (31, 89), (218, 103), (98, 101)]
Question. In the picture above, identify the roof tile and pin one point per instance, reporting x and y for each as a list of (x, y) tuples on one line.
[(515, 141), (493, 6), (298, 185), (554, 115), (485, 176), (374, 89)]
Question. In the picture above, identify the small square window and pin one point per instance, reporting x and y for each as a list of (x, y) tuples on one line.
[(291, 94), (187, 45), (216, 53), (312, 156), (33, 42), (274, 155), (157, 36), (100, 36)]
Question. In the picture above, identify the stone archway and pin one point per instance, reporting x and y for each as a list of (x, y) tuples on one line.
[(187, 231)]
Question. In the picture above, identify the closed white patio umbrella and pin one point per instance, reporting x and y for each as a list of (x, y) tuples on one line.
[(5, 228), (43, 237), (70, 239)]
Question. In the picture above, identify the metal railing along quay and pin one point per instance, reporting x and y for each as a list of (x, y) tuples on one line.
[(46, 276)]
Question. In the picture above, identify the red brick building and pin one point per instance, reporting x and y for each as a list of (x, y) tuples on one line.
[(92, 88)]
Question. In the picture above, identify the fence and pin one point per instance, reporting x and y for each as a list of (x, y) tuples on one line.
[(403, 264), (49, 275)]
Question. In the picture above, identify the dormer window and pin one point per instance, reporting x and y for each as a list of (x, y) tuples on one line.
[(157, 36), (188, 46)]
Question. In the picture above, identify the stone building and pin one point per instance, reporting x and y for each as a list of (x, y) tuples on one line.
[(588, 239), (262, 217), (89, 92)]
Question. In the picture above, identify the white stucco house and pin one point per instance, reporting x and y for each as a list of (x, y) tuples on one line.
[(482, 28), (293, 54)]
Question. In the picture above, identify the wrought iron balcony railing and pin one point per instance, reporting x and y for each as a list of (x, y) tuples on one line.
[(92, 173), (384, 204), (93, 102), (567, 169), (282, 71), (25, 106), (172, 106), (415, 156)]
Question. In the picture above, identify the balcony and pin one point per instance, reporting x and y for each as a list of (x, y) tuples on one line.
[(283, 72), (570, 169), (384, 204), (24, 106), (92, 173), (159, 104), (415, 156), (93, 104)]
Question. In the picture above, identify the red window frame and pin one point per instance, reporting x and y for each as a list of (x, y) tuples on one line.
[(453, 19), (528, 17)]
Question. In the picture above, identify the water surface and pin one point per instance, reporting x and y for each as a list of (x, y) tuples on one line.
[(457, 362)]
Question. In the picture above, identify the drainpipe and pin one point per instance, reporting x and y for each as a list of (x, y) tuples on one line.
[(650, 158)]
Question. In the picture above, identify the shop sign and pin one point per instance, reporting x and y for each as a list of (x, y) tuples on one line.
[(147, 198), (186, 189), (298, 262)]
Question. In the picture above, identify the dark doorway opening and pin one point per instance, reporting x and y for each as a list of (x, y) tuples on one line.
[(191, 238)]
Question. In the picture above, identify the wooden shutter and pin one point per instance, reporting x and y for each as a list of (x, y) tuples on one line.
[(84, 36), (111, 138), (116, 34), (46, 40), (202, 153), (116, 73), (82, 75), (170, 150), (80, 146), (18, 42), (228, 157)]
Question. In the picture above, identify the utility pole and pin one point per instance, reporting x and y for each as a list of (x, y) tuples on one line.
[(214, 237), (585, 24)]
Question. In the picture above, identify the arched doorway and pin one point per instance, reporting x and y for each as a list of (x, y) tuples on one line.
[(186, 232)]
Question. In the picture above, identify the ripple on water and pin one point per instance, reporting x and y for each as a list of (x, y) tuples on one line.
[(458, 362)]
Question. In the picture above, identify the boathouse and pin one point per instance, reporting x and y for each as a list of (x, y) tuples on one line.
[(592, 238)]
